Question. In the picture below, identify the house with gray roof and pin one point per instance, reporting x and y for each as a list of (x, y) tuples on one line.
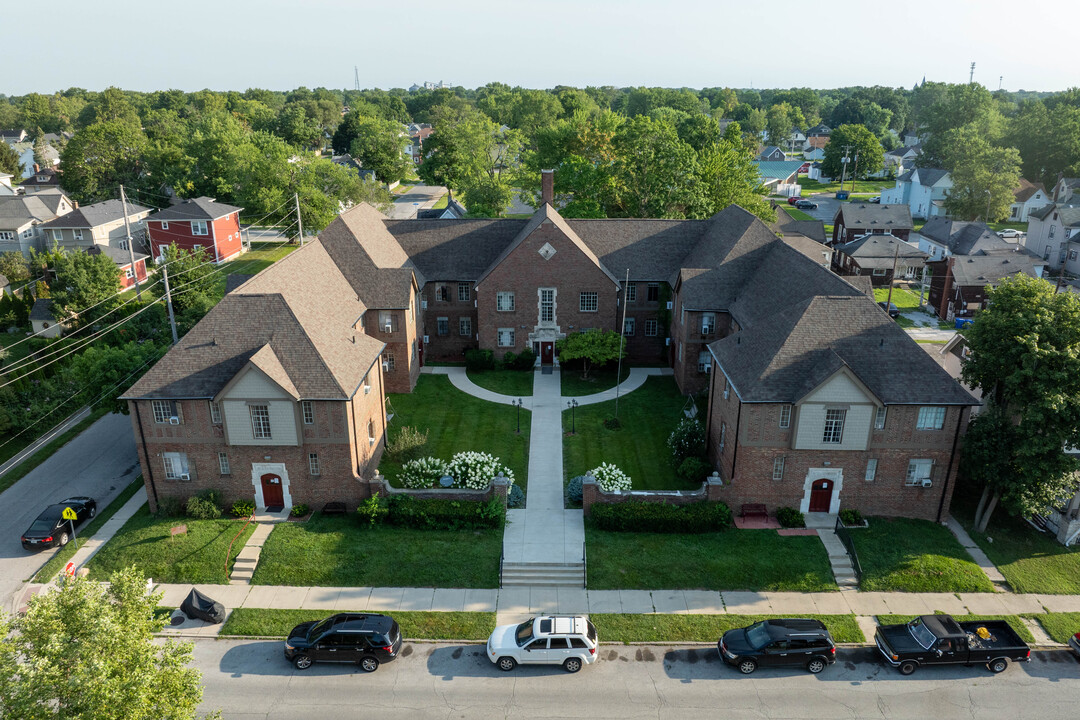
[(98, 224), (883, 258), (855, 219), (1029, 196), (923, 190), (197, 224), (41, 179), (771, 153), (941, 238), (1054, 234), (959, 283), (42, 320), (21, 217)]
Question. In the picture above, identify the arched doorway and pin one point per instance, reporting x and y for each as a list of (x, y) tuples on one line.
[(272, 490), (821, 495)]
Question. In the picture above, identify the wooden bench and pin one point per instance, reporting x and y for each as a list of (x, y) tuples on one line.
[(334, 508), (754, 510)]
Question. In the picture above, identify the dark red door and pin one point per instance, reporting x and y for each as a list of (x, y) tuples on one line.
[(547, 353), (821, 496), (272, 493)]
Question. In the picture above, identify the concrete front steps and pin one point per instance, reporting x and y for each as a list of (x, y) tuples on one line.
[(842, 568), (537, 573)]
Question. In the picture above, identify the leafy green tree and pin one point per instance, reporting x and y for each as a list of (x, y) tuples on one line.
[(379, 146), (655, 171), (959, 105), (296, 128), (9, 162), (465, 148), (984, 176), (729, 177), (1048, 139), (100, 157), (1024, 360), (84, 280), (13, 265), (489, 197), (751, 119), (87, 651), (325, 189), (863, 143), (594, 347), (191, 278), (111, 369)]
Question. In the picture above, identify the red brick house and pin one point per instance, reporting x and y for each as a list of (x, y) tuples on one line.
[(198, 224)]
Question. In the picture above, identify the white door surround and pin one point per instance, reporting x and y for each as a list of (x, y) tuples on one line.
[(260, 469), (815, 474)]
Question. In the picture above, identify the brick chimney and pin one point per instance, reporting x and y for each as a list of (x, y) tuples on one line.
[(946, 288), (547, 187), (37, 168)]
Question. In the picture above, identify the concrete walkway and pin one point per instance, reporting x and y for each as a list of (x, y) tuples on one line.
[(980, 558)]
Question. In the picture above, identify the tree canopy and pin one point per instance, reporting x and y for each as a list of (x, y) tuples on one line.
[(592, 347), (862, 143)]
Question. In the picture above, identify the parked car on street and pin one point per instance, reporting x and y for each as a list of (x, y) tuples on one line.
[(806, 205), (51, 528), (793, 199), (1009, 233), (1074, 644), (367, 639), (876, 200), (567, 640), (791, 642), (941, 640)]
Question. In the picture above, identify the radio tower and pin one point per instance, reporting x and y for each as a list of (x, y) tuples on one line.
[(356, 74), (971, 76)]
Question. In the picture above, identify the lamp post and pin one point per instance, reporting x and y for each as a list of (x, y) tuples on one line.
[(572, 405), (518, 406), (989, 197)]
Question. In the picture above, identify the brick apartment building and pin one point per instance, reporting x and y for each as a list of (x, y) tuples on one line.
[(407, 291)]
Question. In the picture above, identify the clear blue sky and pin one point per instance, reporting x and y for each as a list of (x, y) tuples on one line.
[(282, 44)]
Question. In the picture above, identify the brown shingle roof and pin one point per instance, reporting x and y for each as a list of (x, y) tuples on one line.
[(369, 257)]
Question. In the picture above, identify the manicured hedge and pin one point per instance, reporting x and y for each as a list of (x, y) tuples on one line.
[(435, 514), (639, 516)]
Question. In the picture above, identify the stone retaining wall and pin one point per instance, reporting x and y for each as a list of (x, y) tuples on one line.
[(592, 493)]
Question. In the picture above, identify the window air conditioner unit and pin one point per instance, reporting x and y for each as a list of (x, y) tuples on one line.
[(367, 389), (667, 342), (185, 476), (386, 365), (668, 304), (388, 327), (423, 304), (174, 420), (425, 339), (927, 482)]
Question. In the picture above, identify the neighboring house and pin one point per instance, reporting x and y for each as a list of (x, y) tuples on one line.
[(778, 176), (940, 238), (1064, 189), (28, 161), (923, 190), (814, 154), (959, 283), (98, 224), (12, 136), (41, 179), (855, 219), (348, 162), (797, 138), (817, 137), (1029, 196), (6, 188), (123, 258), (771, 154), (815, 172), (453, 211), (1053, 232), (898, 161), (198, 224), (393, 294), (876, 256), (21, 216), (42, 320)]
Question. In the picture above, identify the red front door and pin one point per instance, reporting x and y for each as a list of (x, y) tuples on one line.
[(547, 353), (821, 496), (272, 492)]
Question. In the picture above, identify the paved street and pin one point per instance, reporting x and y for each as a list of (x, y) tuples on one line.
[(418, 197), (251, 679), (100, 462)]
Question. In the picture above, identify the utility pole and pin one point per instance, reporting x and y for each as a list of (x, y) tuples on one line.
[(168, 301), (299, 223), (356, 73), (922, 285), (892, 277), (844, 162), (854, 174), (131, 247), (622, 339), (971, 76)]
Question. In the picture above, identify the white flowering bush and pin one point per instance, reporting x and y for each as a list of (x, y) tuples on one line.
[(474, 470), (422, 472), (610, 477)]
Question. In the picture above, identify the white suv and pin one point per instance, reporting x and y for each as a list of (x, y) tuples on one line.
[(567, 640)]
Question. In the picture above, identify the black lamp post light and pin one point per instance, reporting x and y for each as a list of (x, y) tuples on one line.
[(572, 406), (518, 406)]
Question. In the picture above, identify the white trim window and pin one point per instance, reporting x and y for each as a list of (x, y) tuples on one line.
[(308, 409), (164, 225), (504, 301), (651, 328), (77, 234), (123, 244), (506, 337), (631, 292), (930, 418), (128, 273), (57, 235), (879, 272), (704, 362), (723, 436), (215, 413), (386, 320), (871, 469), (834, 426), (176, 465), (223, 463), (8, 235), (313, 463), (465, 327), (919, 471), (371, 432), (880, 417), (588, 301), (547, 305), (164, 411), (708, 323), (785, 416), (199, 227), (464, 292), (629, 325), (388, 361), (778, 468), (260, 421)]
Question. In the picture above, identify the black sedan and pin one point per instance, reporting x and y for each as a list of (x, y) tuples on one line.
[(799, 642), (51, 529)]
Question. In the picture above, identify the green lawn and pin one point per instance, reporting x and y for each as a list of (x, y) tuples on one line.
[(1059, 626), (1032, 562), (797, 214), (442, 202), (1015, 622), (197, 556), (639, 446), (868, 187), (45, 451), (902, 298), (56, 562), (902, 555), (660, 628), (336, 551), (506, 382), (414, 625), (261, 256), (456, 422), (599, 380), (732, 560)]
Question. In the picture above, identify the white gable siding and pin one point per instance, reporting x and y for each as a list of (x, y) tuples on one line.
[(255, 386), (282, 423), (841, 390)]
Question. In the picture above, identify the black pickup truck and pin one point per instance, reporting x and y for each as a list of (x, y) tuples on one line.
[(941, 640)]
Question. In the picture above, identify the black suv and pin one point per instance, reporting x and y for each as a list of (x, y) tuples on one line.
[(776, 643), (367, 639)]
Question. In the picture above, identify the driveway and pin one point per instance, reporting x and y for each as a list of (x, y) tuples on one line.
[(418, 197), (827, 207), (100, 462), (251, 679)]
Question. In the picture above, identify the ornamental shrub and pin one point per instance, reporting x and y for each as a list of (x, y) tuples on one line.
[(526, 359), (574, 491), (516, 498), (610, 478), (407, 444), (479, 360), (299, 510), (851, 517), (790, 518), (509, 360), (694, 469), (437, 514), (243, 508), (640, 516), (372, 511), (474, 470), (202, 508), (686, 440), (422, 472)]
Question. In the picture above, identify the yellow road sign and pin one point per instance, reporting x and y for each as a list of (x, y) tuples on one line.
[(69, 514)]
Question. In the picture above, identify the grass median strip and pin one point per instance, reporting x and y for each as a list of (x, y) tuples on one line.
[(56, 562), (415, 625), (1060, 626), (1015, 622), (659, 628)]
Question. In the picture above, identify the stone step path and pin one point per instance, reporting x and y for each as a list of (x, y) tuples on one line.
[(541, 573), (842, 568), (248, 557)]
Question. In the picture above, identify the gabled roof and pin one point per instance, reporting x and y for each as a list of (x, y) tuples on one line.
[(819, 129), (879, 251), (42, 310), (266, 360), (777, 169), (962, 237), (928, 177), (876, 217), (122, 258), (17, 210), (770, 150), (90, 216), (991, 268), (377, 268), (787, 225), (200, 208), (1027, 189), (787, 355)]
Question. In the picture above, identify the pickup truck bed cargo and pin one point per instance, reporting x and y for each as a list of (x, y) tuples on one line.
[(941, 640)]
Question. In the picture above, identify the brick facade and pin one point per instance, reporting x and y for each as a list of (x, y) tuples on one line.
[(456, 302)]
